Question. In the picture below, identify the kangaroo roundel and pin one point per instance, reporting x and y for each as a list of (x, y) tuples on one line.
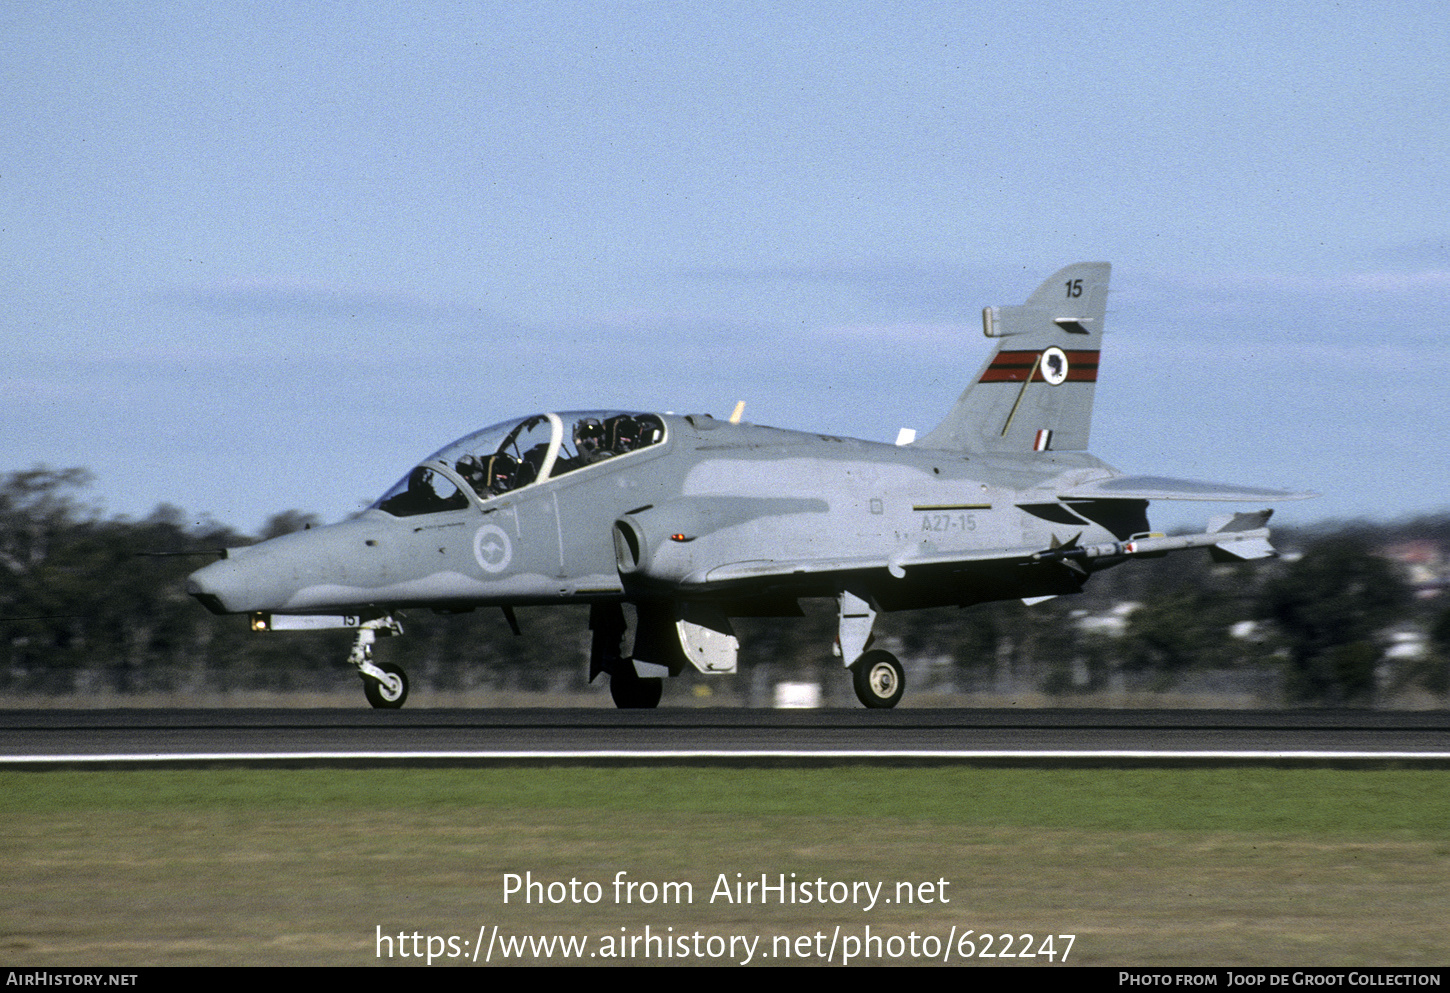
[(492, 549), (1054, 365)]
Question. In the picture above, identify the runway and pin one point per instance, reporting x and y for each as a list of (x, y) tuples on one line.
[(312, 737)]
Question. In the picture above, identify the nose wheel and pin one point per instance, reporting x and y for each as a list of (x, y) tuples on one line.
[(389, 692), (878, 679)]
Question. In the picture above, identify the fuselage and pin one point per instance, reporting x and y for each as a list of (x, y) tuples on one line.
[(535, 512), (695, 521)]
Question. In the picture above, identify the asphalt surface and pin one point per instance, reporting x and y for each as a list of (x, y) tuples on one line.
[(31, 738)]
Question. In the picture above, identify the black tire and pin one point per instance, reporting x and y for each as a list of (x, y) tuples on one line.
[(879, 679), (379, 695), (631, 692)]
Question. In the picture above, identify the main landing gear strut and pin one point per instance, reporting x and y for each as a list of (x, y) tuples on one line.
[(630, 690), (876, 675)]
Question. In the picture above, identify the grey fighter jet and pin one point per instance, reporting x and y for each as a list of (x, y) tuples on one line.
[(694, 520)]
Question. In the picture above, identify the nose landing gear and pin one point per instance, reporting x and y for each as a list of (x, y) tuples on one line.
[(386, 685)]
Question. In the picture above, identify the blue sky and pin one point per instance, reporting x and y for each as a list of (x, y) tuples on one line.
[(264, 257)]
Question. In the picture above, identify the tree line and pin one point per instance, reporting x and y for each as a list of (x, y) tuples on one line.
[(91, 604)]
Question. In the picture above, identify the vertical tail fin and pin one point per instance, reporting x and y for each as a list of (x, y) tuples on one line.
[(1036, 391)]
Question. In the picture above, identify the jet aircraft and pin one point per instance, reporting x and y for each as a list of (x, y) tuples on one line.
[(694, 521)]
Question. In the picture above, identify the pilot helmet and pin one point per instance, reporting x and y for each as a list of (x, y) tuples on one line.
[(588, 436), (468, 467), (626, 434), (502, 471)]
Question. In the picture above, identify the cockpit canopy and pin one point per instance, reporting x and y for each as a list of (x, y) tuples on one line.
[(516, 454)]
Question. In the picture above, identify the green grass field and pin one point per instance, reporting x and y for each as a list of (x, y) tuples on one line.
[(1144, 867)]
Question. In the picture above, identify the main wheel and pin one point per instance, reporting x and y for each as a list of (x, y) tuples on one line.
[(879, 679), (633, 692), (387, 695)]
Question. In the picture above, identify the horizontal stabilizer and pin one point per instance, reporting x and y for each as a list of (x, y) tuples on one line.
[(1164, 488)]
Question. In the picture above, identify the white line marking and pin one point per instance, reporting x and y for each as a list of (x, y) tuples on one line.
[(734, 754)]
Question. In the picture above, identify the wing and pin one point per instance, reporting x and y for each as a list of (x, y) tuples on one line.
[(1231, 537), (1164, 488), (896, 565)]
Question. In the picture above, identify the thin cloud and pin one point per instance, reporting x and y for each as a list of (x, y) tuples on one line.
[(866, 274), (1378, 280), (905, 332), (262, 297)]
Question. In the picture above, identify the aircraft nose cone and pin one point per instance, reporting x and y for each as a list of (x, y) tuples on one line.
[(306, 570), (217, 587)]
